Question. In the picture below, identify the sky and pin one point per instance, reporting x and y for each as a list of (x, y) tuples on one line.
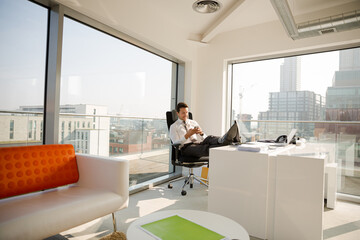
[(96, 68), (23, 50), (256, 79), (102, 70)]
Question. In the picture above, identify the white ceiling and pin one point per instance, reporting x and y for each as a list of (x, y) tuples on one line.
[(178, 14)]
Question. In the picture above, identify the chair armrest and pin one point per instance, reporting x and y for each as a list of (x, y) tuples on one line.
[(177, 149), (104, 173), (177, 145)]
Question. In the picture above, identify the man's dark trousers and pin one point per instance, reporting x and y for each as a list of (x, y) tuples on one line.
[(200, 149)]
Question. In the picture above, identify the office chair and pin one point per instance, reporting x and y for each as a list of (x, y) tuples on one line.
[(185, 161)]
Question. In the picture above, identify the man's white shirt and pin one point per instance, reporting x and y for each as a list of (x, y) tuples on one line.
[(178, 131)]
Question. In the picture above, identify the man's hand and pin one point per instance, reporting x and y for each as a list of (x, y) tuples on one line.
[(199, 131), (193, 131)]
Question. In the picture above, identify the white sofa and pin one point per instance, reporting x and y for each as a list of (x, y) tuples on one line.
[(102, 189)]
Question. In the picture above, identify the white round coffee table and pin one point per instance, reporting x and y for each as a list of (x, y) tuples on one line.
[(212, 221)]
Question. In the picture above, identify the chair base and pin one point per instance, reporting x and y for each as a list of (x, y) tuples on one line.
[(189, 179)]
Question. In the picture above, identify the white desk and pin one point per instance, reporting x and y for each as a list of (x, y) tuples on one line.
[(272, 194), (215, 222), (299, 197), (309, 149)]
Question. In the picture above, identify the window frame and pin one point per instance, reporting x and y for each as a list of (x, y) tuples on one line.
[(57, 12), (313, 50)]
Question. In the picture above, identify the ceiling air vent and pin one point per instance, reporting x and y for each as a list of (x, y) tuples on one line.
[(337, 23), (328, 30), (203, 6)]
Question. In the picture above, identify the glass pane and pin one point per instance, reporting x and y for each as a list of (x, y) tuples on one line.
[(115, 95), (23, 44), (318, 94)]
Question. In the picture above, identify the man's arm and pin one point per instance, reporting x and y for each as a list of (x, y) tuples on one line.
[(175, 136), (178, 135)]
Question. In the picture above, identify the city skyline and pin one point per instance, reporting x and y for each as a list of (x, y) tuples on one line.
[(126, 85), (317, 71)]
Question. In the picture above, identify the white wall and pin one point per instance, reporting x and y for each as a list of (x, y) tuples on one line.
[(261, 41)]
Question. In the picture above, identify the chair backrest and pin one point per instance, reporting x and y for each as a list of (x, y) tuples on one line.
[(171, 117), (189, 162)]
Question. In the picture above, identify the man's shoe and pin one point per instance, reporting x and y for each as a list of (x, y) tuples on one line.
[(229, 137), (223, 141), (237, 139)]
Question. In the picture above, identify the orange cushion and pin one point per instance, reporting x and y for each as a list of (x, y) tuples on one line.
[(34, 168)]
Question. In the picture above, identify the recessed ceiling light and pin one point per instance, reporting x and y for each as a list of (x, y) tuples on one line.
[(206, 6)]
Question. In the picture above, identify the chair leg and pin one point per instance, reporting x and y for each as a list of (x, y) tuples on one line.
[(177, 179), (200, 180), (114, 221), (189, 179)]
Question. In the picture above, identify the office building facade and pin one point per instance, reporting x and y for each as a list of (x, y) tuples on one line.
[(85, 133), (343, 104), (292, 106)]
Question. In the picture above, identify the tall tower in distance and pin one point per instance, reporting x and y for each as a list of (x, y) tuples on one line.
[(343, 97), (290, 78), (291, 104), (349, 59)]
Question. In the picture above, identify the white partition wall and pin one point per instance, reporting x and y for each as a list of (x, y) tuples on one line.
[(298, 209), (273, 194), (239, 188)]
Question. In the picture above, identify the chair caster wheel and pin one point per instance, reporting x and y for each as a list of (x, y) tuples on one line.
[(183, 192), (170, 186), (191, 185)]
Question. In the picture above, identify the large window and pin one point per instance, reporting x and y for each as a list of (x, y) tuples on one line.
[(23, 30), (318, 94), (113, 94), (122, 93)]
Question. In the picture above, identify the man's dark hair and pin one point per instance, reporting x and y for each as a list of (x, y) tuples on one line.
[(181, 105)]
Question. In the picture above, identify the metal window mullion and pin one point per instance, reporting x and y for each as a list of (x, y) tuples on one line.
[(180, 96), (173, 102), (53, 73), (174, 85), (180, 83)]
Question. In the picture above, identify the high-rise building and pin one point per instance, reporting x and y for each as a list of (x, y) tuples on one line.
[(290, 78), (343, 97), (343, 104), (349, 59), (291, 104)]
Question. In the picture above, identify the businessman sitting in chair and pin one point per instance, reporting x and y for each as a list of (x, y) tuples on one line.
[(193, 140)]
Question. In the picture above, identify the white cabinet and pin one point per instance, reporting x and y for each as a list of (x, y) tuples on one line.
[(272, 194), (239, 187), (299, 204)]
